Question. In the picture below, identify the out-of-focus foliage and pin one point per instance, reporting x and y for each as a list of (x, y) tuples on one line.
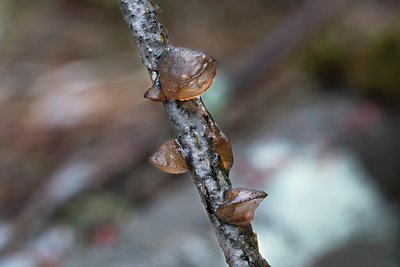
[(369, 66), (375, 67), (75, 132), (327, 60)]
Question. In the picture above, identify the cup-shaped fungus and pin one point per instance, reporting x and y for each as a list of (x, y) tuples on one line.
[(169, 158), (183, 74), (239, 206)]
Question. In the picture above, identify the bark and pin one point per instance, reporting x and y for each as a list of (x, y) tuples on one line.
[(193, 127)]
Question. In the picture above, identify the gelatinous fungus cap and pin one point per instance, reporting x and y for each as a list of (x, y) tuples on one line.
[(185, 73), (169, 158), (239, 206)]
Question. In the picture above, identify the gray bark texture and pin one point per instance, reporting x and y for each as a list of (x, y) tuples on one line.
[(193, 128)]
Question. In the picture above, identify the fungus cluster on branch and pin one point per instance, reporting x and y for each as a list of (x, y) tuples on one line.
[(180, 76), (185, 74)]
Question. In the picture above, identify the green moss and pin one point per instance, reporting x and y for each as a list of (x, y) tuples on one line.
[(375, 68), (92, 210), (326, 60), (368, 64)]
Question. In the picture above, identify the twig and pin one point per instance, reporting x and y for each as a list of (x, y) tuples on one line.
[(248, 69), (194, 128)]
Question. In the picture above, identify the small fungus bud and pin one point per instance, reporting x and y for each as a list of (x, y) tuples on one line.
[(169, 158), (185, 73), (239, 206), (154, 93), (224, 148)]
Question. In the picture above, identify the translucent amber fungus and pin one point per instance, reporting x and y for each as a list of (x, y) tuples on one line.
[(185, 73), (239, 206), (169, 158)]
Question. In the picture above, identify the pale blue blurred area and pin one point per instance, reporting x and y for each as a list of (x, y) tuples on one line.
[(321, 199), (317, 205), (218, 97)]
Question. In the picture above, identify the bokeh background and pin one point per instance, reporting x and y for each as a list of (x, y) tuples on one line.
[(307, 91)]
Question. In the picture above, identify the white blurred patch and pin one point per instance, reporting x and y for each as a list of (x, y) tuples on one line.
[(54, 243), (70, 105), (269, 154), (70, 180), (50, 247), (18, 261), (316, 204)]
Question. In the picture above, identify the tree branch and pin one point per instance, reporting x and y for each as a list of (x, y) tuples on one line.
[(194, 128)]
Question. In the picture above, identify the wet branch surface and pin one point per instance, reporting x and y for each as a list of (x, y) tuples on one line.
[(194, 128)]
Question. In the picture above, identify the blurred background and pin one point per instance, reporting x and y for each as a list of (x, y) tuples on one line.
[(307, 91)]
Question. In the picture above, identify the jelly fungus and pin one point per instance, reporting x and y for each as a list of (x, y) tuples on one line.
[(184, 74), (154, 93), (169, 158), (224, 149), (239, 206)]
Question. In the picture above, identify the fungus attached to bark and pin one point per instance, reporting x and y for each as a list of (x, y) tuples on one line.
[(224, 148), (239, 206), (169, 158), (180, 74), (154, 93), (184, 74)]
